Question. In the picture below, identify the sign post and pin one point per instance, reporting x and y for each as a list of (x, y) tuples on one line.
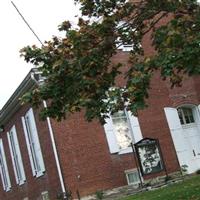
[(136, 163)]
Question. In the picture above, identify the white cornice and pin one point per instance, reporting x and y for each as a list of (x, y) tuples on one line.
[(13, 103)]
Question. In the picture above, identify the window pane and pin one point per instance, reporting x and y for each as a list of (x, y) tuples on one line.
[(45, 195), (186, 115), (180, 115), (122, 129), (189, 115), (133, 177)]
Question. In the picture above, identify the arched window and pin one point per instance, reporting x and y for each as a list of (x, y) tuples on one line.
[(186, 115)]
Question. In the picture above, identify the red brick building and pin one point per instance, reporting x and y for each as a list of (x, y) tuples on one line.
[(90, 156), (43, 159)]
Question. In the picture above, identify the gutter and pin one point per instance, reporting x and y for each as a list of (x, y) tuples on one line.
[(13, 103)]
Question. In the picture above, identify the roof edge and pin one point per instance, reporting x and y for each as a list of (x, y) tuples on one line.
[(13, 103)]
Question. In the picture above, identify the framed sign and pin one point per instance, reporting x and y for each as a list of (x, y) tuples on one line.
[(149, 156)]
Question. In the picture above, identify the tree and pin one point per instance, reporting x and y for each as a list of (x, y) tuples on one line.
[(78, 68)]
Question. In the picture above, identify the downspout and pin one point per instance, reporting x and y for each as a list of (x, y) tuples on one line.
[(39, 82), (55, 154)]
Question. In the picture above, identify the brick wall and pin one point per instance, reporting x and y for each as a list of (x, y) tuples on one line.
[(33, 186)]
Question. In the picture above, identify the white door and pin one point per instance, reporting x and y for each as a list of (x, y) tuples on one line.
[(177, 135), (186, 136), (192, 136)]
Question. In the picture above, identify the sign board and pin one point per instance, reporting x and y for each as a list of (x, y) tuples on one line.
[(149, 156)]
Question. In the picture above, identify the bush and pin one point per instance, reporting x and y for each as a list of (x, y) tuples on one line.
[(99, 194), (184, 169), (168, 178)]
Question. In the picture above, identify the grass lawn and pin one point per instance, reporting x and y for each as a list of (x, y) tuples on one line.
[(187, 190)]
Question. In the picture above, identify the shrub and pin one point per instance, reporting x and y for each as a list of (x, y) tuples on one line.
[(184, 169), (198, 171), (99, 194)]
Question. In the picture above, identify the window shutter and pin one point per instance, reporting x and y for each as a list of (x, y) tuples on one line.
[(175, 128), (176, 133), (19, 158), (2, 180), (135, 126), (36, 141), (7, 186), (110, 135), (28, 146), (199, 110), (13, 162), (1, 165)]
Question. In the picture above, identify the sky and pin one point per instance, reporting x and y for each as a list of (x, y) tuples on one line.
[(44, 16)]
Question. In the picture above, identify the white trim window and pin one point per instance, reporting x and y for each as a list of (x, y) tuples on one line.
[(121, 129), (45, 195), (33, 144), (16, 156), (4, 169), (132, 177), (123, 46), (186, 115)]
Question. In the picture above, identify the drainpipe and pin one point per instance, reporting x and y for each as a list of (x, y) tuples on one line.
[(38, 82), (55, 153)]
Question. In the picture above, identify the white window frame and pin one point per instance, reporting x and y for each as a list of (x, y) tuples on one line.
[(4, 169), (122, 46), (16, 156), (125, 116), (33, 144), (131, 171), (111, 135), (183, 115), (45, 195)]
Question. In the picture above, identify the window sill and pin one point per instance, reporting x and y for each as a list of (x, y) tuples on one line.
[(124, 151), (21, 183), (191, 125), (136, 184), (8, 189), (39, 174)]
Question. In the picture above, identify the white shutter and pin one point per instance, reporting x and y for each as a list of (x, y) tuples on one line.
[(175, 128), (7, 186), (36, 141), (177, 134), (19, 180), (28, 146), (110, 135), (197, 116), (135, 126), (1, 172), (13, 161), (1, 165), (19, 157), (198, 121)]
